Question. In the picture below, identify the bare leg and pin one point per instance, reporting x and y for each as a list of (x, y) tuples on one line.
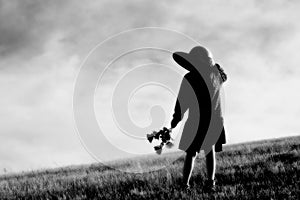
[(188, 167), (211, 164)]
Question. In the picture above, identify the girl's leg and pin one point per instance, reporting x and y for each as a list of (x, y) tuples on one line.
[(211, 165), (188, 167)]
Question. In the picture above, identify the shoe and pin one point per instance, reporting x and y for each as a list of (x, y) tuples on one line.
[(184, 186), (210, 186), (187, 188)]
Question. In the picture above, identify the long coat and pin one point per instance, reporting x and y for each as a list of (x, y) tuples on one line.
[(200, 95)]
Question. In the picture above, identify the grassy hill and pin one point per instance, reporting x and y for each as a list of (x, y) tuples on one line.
[(268, 169)]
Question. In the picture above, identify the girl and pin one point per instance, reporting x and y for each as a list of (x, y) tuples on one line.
[(199, 93)]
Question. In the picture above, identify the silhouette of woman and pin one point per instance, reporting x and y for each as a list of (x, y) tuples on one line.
[(199, 94)]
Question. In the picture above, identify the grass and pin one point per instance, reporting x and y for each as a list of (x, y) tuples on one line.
[(267, 169)]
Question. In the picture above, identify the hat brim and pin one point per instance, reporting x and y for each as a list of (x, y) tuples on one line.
[(182, 59)]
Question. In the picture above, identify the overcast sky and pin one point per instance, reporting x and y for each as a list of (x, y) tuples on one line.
[(43, 43)]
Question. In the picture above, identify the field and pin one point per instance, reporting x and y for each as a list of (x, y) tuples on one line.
[(267, 169)]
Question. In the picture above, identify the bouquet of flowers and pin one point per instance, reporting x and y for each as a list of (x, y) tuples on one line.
[(164, 136)]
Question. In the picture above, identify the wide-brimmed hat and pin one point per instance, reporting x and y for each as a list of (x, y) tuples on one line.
[(198, 56)]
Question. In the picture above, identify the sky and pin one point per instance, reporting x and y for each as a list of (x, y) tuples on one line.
[(43, 45)]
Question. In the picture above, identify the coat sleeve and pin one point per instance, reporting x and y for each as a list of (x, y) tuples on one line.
[(177, 116), (180, 107)]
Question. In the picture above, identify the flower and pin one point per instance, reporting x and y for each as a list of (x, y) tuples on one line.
[(169, 144), (150, 137), (158, 148), (164, 135), (158, 151)]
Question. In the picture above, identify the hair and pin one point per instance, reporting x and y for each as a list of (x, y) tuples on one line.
[(221, 72)]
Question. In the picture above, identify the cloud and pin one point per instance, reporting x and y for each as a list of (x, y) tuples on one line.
[(28, 26), (25, 27)]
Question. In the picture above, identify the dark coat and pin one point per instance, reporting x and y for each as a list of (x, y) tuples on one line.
[(200, 95)]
